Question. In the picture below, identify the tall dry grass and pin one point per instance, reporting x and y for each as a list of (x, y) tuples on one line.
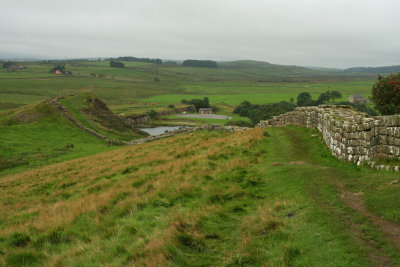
[(93, 182)]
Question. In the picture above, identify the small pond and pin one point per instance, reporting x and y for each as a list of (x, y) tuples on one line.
[(159, 130)]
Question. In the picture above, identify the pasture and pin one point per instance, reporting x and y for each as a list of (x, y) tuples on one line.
[(130, 90)]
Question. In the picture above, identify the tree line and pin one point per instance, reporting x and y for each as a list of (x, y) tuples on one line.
[(198, 103), (256, 112), (200, 63), (116, 64), (138, 59)]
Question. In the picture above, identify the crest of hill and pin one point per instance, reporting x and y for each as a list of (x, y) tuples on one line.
[(61, 128), (92, 112), (85, 108), (267, 68), (27, 114)]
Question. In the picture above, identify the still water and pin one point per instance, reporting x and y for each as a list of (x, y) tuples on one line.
[(159, 130)]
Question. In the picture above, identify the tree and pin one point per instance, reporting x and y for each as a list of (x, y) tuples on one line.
[(336, 94), (386, 94), (304, 99), (60, 68), (152, 114), (137, 59), (206, 102), (243, 106), (261, 112), (328, 96), (156, 79), (324, 97), (7, 64), (116, 64), (198, 103)]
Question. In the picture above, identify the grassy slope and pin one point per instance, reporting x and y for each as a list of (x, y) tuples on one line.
[(200, 199), (88, 109), (39, 135)]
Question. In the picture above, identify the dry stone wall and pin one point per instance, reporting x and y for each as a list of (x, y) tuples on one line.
[(350, 135)]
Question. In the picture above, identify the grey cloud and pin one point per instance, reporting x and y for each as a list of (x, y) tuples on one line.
[(331, 33)]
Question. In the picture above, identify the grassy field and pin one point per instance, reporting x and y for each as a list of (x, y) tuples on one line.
[(129, 90), (261, 93), (206, 198), (208, 120)]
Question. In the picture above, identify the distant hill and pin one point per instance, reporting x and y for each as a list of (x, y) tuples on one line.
[(377, 70), (323, 69), (267, 68)]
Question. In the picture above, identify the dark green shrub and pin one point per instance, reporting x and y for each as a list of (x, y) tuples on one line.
[(25, 258), (54, 237), (18, 240), (153, 114), (239, 123), (386, 94), (116, 64), (191, 242)]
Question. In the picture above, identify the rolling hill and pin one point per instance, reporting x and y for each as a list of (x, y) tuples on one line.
[(265, 68)]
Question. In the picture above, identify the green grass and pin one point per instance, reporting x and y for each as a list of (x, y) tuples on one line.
[(261, 93), (207, 198), (206, 120), (48, 140), (38, 134)]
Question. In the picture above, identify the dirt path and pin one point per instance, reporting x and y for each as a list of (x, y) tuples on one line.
[(389, 229), (302, 157)]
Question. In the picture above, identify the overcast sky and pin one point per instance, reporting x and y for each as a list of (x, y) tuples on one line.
[(330, 33)]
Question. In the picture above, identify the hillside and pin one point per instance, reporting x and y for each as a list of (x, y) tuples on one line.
[(268, 69), (41, 133), (93, 113), (201, 199), (375, 70)]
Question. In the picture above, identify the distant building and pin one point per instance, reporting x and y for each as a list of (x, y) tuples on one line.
[(357, 99), (58, 72), (205, 111), (13, 67)]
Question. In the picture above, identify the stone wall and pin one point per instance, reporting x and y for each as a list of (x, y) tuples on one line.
[(140, 119), (350, 135)]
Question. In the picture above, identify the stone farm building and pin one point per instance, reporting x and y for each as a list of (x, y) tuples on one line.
[(205, 111), (357, 99)]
